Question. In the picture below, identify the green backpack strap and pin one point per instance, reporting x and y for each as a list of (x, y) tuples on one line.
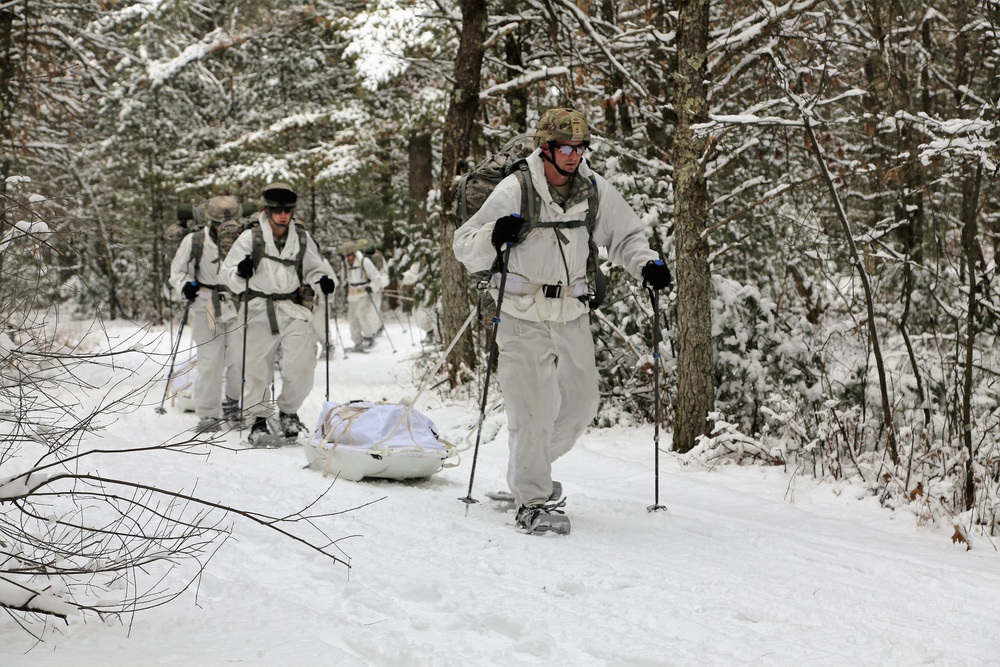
[(257, 254), (197, 247), (600, 281), (529, 202), (257, 247), (258, 250), (529, 211), (302, 252)]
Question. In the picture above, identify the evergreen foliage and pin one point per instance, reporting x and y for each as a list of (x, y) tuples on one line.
[(116, 112)]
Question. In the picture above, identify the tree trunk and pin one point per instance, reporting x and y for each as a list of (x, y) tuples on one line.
[(386, 195), (616, 112), (695, 388), (6, 74), (459, 121), (421, 177), (514, 57), (970, 250)]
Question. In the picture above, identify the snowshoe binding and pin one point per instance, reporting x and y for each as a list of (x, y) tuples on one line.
[(231, 411), (209, 425), (542, 519), (262, 438), (508, 497), (291, 427)]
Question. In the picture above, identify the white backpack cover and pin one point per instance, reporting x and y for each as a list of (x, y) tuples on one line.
[(363, 439)]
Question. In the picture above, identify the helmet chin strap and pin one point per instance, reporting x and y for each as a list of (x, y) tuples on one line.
[(548, 158), (278, 224)]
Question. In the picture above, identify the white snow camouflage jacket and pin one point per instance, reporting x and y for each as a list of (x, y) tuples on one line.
[(273, 277), (536, 260), (182, 270)]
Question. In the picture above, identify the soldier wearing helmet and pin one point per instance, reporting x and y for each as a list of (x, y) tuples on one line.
[(267, 265), (195, 274), (365, 283), (563, 136), (546, 366)]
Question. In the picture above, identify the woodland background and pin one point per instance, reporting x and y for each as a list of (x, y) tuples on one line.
[(818, 174)]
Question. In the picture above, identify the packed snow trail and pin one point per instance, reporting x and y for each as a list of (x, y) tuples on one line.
[(748, 566)]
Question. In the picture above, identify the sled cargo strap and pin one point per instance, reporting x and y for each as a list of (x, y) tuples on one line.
[(272, 318)]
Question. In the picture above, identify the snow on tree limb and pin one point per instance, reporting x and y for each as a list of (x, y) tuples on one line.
[(523, 81)]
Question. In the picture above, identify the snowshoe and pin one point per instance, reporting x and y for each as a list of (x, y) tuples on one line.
[(508, 497), (542, 519), (291, 425), (231, 411), (262, 438), (209, 425)]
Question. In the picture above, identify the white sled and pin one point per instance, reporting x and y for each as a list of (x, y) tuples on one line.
[(362, 439)]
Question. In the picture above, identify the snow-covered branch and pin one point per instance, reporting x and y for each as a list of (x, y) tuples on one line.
[(523, 81)]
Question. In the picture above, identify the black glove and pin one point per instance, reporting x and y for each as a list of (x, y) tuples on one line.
[(326, 285), (656, 274), (507, 230), (245, 268), (190, 290), (368, 288)]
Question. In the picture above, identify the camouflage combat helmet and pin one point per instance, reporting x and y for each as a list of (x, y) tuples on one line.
[(278, 194), (222, 209), (348, 248), (561, 125)]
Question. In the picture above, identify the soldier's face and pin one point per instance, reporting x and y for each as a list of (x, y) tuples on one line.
[(567, 154), (280, 217)]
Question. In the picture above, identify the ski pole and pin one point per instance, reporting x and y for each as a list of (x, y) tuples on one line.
[(468, 499), (336, 326), (654, 299), (243, 362), (381, 321), (326, 343), (405, 328), (173, 358), (409, 325)]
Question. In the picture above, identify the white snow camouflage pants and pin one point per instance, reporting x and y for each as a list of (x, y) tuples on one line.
[(218, 359), (363, 315), (296, 342), (548, 377)]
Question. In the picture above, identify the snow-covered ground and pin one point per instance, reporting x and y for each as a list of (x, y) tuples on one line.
[(747, 566)]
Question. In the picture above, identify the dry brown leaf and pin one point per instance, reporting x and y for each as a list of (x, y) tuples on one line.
[(960, 537)]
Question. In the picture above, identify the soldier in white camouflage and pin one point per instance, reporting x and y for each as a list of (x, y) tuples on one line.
[(364, 295), (268, 264), (194, 272), (546, 365)]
